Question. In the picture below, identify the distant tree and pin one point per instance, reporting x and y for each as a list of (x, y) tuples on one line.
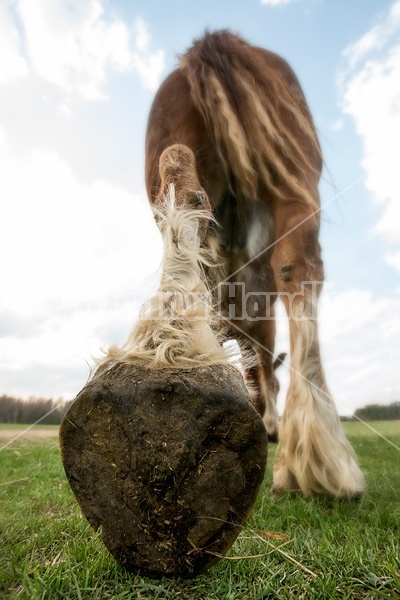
[(27, 412), (378, 412)]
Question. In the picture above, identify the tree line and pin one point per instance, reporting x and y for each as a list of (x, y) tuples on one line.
[(26, 412), (378, 412), (50, 412)]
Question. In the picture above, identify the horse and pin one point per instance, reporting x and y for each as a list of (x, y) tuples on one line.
[(230, 129)]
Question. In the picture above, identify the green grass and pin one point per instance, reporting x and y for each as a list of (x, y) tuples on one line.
[(333, 548)]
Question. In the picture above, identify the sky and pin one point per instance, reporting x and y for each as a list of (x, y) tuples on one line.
[(79, 250)]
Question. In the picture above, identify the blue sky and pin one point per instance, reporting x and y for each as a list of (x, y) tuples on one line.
[(79, 250)]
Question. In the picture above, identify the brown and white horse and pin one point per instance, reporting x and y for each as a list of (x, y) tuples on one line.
[(231, 130)]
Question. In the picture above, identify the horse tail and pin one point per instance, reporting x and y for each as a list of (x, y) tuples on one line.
[(256, 115)]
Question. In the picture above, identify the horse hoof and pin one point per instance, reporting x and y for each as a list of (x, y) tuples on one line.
[(168, 462)]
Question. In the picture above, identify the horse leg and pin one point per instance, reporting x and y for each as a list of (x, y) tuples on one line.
[(314, 455), (261, 376), (248, 307)]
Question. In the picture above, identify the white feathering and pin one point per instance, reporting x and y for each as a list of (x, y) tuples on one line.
[(174, 328)]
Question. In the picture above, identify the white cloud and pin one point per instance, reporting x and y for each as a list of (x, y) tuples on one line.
[(73, 46), (337, 125), (371, 95), (76, 257), (73, 271), (276, 2), (12, 64), (374, 39), (3, 143), (70, 243), (359, 338), (393, 258), (148, 65), (142, 35)]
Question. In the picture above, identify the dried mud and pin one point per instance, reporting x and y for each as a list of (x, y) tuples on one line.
[(167, 462)]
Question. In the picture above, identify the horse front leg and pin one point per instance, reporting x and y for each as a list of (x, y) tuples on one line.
[(314, 455)]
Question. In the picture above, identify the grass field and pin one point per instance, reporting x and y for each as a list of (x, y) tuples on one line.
[(292, 547)]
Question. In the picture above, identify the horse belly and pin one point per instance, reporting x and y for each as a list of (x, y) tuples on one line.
[(246, 241)]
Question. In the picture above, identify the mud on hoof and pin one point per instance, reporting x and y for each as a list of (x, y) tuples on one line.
[(168, 462)]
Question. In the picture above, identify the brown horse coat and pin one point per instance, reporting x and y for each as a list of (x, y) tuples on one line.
[(232, 131)]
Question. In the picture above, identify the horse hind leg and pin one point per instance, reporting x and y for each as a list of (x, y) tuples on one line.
[(177, 166), (263, 396), (249, 295), (265, 384), (314, 455)]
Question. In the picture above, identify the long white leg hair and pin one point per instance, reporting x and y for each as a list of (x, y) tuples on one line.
[(314, 454), (175, 327)]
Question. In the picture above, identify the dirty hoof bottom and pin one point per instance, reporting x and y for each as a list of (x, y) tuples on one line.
[(168, 462)]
